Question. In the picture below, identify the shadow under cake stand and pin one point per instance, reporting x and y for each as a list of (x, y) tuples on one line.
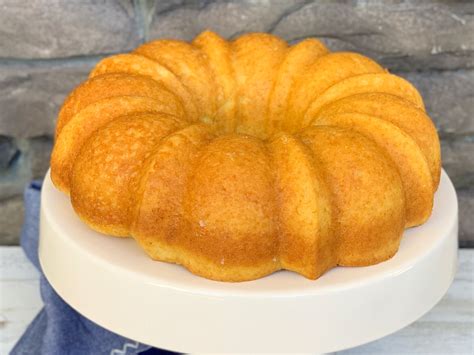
[(113, 283)]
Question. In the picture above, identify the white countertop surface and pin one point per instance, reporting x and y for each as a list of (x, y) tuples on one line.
[(447, 329)]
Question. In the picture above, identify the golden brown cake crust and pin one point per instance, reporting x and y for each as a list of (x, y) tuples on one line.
[(240, 158)]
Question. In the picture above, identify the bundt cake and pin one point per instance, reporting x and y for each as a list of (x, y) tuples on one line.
[(239, 158)]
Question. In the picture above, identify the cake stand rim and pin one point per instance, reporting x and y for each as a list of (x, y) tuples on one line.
[(104, 314), (249, 292)]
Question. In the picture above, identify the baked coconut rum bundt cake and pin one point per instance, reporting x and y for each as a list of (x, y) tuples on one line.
[(239, 158)]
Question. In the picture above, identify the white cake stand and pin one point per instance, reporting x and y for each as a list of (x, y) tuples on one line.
[(113, 283)]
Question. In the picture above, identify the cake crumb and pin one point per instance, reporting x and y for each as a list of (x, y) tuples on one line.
[(202, 223)]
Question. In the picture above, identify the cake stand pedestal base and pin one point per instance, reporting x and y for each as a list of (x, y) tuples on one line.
[(113, 283)]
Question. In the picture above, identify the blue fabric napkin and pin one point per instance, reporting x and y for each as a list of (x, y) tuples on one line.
[(58, 328)]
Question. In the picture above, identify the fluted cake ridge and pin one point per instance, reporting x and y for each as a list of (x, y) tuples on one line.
[(240, 158)]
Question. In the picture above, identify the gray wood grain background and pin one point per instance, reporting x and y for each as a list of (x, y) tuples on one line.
[(447, 329)]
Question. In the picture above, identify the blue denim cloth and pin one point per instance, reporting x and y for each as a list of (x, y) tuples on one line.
[(59, 329)]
